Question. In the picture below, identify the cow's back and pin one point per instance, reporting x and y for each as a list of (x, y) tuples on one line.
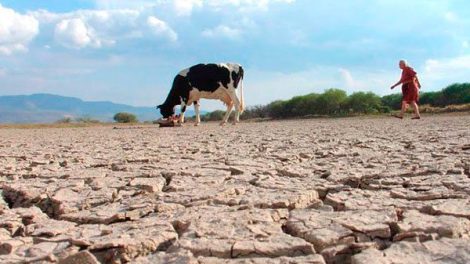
[(207, 77)]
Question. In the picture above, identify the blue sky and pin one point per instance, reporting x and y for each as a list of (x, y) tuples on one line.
[(129, 51)]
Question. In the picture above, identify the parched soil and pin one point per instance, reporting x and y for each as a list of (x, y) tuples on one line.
[(360, 190)]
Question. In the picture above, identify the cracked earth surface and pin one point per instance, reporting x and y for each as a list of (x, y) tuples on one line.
[(355, 190)]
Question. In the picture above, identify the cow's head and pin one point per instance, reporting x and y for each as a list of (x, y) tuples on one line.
[(166, 110)]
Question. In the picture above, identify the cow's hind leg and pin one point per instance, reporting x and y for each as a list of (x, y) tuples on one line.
[(237, 111), (196, 110), (233, 96), (227, 114)]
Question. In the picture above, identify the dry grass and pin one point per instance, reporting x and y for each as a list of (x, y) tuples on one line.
[(448, 109)]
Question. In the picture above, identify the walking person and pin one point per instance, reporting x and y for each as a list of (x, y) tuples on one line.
[(410, 90)]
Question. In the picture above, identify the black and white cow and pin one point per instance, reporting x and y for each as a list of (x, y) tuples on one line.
[(208, 81)]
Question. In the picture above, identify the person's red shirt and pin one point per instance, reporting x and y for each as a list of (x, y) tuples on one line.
[(408, 77)]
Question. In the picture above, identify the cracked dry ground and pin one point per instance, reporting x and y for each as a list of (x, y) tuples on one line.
[(356, 190)]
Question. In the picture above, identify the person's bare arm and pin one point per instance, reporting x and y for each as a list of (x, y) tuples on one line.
[(400, 82), (395, 85), (417, 81)]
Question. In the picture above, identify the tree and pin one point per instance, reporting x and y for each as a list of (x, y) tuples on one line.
[(257, 111), (292, 107), (331, 102), (307, 106), (213, 116), (301, 105), (277, 109), (65, 120), (431, 98), (87, 119), (123, 117), (457, 93), (393, 101), (366, 103)]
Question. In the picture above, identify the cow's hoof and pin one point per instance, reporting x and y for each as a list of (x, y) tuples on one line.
[(197, 124), (223, 123), (234, 123)]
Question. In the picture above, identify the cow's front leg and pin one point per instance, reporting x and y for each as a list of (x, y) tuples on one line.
[(196, 110), (237, 110), (227, 114), (183, 109)]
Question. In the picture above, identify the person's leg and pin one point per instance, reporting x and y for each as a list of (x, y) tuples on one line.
[(415, 109), (404, 106)]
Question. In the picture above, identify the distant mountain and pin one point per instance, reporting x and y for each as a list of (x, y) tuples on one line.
[(47, 108)]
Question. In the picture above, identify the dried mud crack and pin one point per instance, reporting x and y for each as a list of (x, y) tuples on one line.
[(356, 190)]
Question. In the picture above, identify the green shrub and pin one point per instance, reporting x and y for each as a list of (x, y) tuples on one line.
[(123, 117), (431, 98), (393, 101), (257, 111), (216, 115), (87, 120), (455, 94), (364, 103), (65, 120), (334, 102), (277, 109), (331, 102)]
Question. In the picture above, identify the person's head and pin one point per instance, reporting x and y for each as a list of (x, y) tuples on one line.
[(402, 64)]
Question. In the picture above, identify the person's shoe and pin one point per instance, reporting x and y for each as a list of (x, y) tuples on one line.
[(398, 116), (416, 117)]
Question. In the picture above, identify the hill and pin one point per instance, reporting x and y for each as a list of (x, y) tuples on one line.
[(47, 108)]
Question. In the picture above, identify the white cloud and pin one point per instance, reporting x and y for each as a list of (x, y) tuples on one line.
[(46, 17), (456, 69), (185, 7), (347, 77), (222, 31), (359, 80), (124, 4), (246, 4), (73, 33), (116, 20), (103, 28), (16, 31), (159, 27), (451, 17)]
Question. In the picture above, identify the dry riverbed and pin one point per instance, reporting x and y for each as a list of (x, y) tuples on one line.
[(360, 190)]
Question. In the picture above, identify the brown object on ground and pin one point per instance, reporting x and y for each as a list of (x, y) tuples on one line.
[(169, 123)]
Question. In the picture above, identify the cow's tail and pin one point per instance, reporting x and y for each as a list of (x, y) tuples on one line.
[(242, 99)]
